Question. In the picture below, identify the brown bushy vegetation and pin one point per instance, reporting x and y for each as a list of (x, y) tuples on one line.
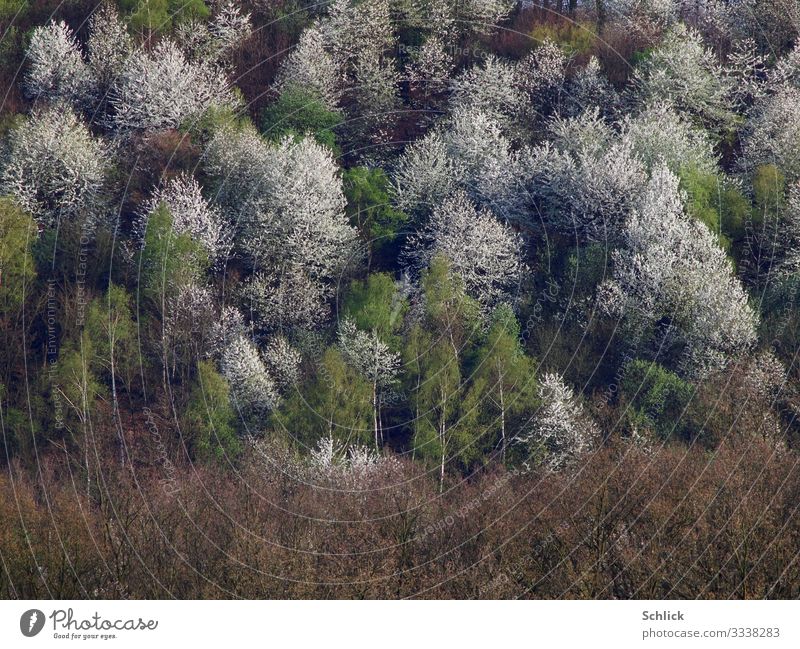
[(672, 522)]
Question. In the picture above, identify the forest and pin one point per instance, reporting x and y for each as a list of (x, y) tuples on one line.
[(399, 299)]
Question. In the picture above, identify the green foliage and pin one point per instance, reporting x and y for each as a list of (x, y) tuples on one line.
[(168, 260), (720, 205), (503, 388), (369, 207), (376, 305), (444, 415), (297, 113), (769, 186), (448, 308), (335, 401), (659, 399), (437, 400), (75, 386), (202, 129), (113, 333), (572, 37), (18, 233), (210, 421), (161, 15)]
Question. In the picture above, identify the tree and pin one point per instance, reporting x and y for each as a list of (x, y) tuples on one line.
[(483, 252), (443, 330), (299, 113), (56, 69), (468, 151), (289, 203), (772, 134), (682, 70), (108, 48), (587, 182), (253, 391), (168, 260), (560, 431), (161, 89), (374, 360), (660, 399), (78, 387), (492, 88), (192, 214), (18, 234), (283, 363), (215, 39), (310, 70), (671, 267), (370, 210), (335, 402), (659, 134), (56, 169), (286, 299), (210, 421), (110, 327), (503, 382), (429, 71)]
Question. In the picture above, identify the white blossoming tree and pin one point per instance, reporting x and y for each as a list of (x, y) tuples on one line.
[(492, 88), (372, 358), (55, 168), (193, 214), (671, 267), (108, 47), (485, 253), (283, 362), (311, 68), (162, 89), (560, 430), (470, 152), (684, 71), (56, 69), (253, 390), (215, 39), (587, 181), (659, 134), (772, 136)]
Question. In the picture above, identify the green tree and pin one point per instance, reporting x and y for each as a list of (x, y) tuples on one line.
[(435, 350), (76, 388), (160, 15), (336, 401), (659, 398), (18, 233), (503, 386), (168, 260), (210, 420), (112, 331), (297, 113), (376, 305), (718, 204), (369, 207), (437, 400)]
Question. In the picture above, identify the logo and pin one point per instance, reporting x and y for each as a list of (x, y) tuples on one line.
[(31, 622)]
